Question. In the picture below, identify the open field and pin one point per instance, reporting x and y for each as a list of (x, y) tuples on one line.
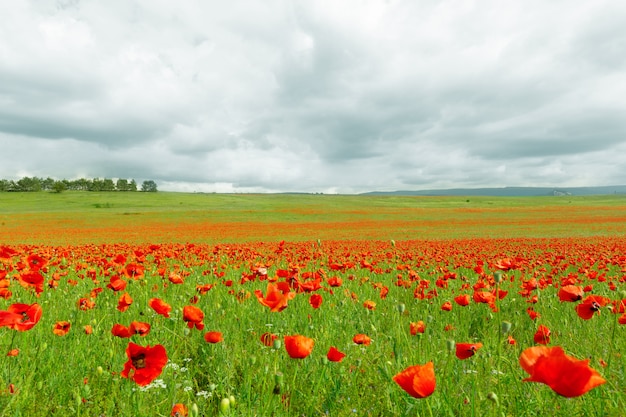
[(82, 217), (481, 292)]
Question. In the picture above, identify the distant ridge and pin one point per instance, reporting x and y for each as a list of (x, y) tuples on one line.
[(510, 191)]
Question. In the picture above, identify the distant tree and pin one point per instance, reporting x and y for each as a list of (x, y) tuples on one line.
[(108, 185), (5, 185), (149, 186), (29, 184), (59, 186), (47, 184), (121, 185), (132, 186)]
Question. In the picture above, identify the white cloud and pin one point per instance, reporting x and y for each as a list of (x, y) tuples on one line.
[(325, 96)]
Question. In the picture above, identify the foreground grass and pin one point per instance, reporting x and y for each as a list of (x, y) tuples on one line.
[(78, 374)]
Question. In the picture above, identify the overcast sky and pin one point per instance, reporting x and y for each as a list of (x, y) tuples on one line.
[(316, 96)]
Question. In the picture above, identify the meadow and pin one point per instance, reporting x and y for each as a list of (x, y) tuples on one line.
[(159, 304)]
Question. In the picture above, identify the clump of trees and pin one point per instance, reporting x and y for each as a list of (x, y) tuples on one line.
[(28, 184)]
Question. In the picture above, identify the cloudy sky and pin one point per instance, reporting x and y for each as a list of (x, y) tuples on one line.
[(316, 96)]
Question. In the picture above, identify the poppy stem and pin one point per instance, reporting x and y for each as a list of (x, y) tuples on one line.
[(611, 345)]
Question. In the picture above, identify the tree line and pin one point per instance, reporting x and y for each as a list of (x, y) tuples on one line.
[(28, 184)]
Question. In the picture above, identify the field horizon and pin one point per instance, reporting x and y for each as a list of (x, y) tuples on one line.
[(100, 217)]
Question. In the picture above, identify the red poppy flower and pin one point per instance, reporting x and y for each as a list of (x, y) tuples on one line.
[(370, 305), (160, 307), (566, 375), (447, 306), (124, 302), (532, 313), (590, 305), (315, 300), (335, 281), (418, 380), (268, 339), (61, 328), (213, 337), (120, 330), (510, 340), (484, 297), (417, 327), (179, 410), (276, 297), (144, 364), (298, 347), (335, 355), (116, 284), (13, 352), (467, 350), (86, 304), (463, 300), (194, 317), (36, 262), (21, 317), (571, 293), (140, 328), (361, 339), (542, 336), (88, 329), (32, 279)]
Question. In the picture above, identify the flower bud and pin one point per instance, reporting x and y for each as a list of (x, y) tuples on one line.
[(194, 410), (277, 344), (225, 405), (497, 277), (505, 326), (451, 345), (231, 398), (401, 307), (492, 396)]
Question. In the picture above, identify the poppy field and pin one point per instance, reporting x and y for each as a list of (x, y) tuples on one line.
[(328, 306)]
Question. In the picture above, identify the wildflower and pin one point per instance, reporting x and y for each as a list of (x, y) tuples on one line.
[(277, 296), (61, 328), (335, 355), (194, 317), (417, 327), (120, 330), (542, 336), (144, 364), (361, 339), (179, 410), (370, 305), (140, 328), (447, 306), (418, 380), (116, 284), (268, 339), (315, 300), (571, 293), (463, 300), (590, 305), (160, 307), (467, 350), (88, 329), (298, 347), (213, 337), (21, 317), (124, 302), (565, 375), (13, 352)]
